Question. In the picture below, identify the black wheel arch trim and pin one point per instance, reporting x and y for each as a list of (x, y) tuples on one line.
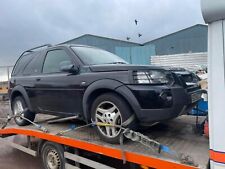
[(23, 92), (130, 98), (113, 85)]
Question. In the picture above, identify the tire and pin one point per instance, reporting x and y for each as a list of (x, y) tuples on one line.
[(19, 105), (118, 116), (208, 165), (52, 156)]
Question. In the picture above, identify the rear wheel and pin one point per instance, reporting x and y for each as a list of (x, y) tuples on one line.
[(111, 109), (52, 156), (19, 107)]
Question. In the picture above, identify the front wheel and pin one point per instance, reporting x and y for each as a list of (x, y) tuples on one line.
[(111, 109)]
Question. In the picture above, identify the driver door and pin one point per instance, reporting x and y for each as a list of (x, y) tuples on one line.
[(58, 93)]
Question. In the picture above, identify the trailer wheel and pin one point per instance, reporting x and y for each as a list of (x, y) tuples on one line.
[(52, 156), (110, 108), (18, 106)]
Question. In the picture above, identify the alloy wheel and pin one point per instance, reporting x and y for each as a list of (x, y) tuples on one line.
[(18, 109), (108, 112)]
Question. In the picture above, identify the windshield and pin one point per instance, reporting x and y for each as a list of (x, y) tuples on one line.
[(93, 56)]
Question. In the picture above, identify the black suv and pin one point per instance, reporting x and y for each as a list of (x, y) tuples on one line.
[(98, 86)]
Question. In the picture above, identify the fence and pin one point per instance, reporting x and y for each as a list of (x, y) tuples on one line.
[(190, 61), (5, 74)]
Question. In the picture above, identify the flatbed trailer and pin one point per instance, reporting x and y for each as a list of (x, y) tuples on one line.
[(82, 147)]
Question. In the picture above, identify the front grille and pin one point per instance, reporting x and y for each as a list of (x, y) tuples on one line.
[(186, 79), (189, 78), (193, 88)]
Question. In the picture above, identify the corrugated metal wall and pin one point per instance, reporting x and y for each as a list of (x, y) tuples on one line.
[(191, 61), (136, 55), (101, 42), (192, 39), (189, 40)]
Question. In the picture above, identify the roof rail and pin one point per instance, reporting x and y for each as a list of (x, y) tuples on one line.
[(32, 49)]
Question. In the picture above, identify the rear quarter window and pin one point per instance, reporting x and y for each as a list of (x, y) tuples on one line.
[(21, 64), (35, 65)]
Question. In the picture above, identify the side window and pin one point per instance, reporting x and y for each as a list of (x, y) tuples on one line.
[(21, 63), (54, 60), (35, 65)]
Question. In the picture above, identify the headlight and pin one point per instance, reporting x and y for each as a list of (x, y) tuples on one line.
[(150, 77)]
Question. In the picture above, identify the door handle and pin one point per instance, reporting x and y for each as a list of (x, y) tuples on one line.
[(38, 79)]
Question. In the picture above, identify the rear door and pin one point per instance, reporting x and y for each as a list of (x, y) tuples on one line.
[(58, 92)]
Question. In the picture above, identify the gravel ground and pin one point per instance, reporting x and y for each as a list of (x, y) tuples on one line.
[(4, 108), (4, 111), (12, 158)]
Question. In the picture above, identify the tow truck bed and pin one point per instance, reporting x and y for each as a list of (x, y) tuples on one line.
[(179, 134)]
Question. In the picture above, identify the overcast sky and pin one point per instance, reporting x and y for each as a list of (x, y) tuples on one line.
[(27, 23)]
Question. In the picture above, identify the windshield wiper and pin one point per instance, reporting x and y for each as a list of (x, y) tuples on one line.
[(117, 63)]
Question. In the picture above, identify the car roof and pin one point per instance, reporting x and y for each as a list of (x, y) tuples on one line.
[(75, 45), (40, 48)]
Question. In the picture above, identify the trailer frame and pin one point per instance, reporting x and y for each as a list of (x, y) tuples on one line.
[(137, 157)]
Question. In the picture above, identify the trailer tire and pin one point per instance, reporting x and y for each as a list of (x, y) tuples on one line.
[(52, 156), (18, 105)]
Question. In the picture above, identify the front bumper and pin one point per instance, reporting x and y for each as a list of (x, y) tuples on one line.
[(149, 105)]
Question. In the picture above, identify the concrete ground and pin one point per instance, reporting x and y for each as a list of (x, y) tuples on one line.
[(12, 158)]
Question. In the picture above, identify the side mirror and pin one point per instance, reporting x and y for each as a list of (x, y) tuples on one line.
[(69, 68)]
